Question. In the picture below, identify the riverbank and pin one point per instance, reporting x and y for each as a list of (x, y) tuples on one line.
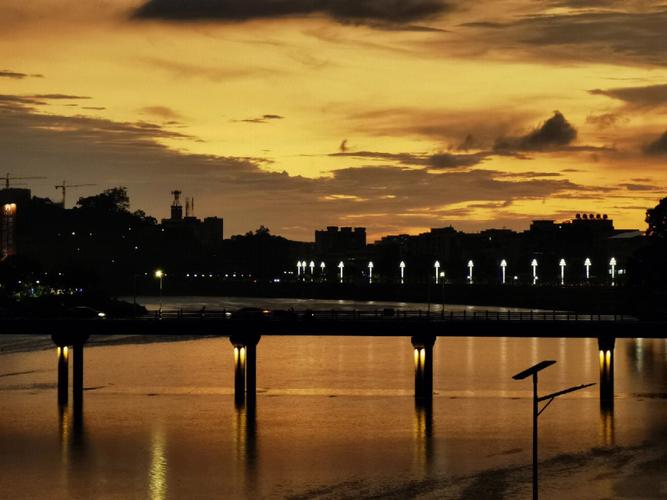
[(581, 299)]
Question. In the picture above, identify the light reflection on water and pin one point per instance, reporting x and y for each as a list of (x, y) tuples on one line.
[(334, 417), (158, 468)]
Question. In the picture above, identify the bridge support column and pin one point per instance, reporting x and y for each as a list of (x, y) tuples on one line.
[(606, 347), (63, 373), (423, 353), (67, 346), (77, 374), (245, 367)]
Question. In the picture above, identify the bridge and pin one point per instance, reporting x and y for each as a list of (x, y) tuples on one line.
[(246, 327)]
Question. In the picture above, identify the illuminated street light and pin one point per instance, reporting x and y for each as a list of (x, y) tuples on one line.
[(402, 267), (503, 266), (587, 264), (562, 271), (159, 274), (298, 268), (341, 266), (470, 266), (370, 272), (532, 372), (437, 267), (612, 263), (322, 268), (312, 268), (534, 266)]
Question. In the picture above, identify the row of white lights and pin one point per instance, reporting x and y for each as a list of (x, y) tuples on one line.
[(303, 266)]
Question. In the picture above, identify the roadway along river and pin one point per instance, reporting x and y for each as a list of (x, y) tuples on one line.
[(335, 418)]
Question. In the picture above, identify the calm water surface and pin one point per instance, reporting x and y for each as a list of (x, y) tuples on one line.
[(335, 418)]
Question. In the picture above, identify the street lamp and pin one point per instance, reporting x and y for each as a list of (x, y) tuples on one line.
[(437, 268), (402, 267), (587, 264), (341, 266), (370, 272), (534, 265), (562, 271), (322, 267), (312, 269), (159, 274), (442, 276), (503, 266), (612, 263), (471, 264), (536, 411), (298, 268)]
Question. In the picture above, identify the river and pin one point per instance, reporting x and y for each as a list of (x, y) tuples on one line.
[(335, 418)]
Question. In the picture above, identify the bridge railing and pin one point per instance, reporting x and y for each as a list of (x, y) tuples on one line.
[(382, 315)]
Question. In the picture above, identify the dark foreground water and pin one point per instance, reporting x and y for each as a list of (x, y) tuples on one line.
[(335, 418)]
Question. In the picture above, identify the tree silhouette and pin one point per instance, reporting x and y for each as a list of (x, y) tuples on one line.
[(110, 200), (656, 218)]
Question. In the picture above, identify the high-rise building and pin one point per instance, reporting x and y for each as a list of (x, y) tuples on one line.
[(340, 240)]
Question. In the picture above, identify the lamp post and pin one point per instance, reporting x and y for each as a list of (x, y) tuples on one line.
[(562, 271), (341, 266), (612, 264), (437, 270), (471, 264), (442, 276), (587, 265), (312, 269), (322, 268), (503, 267), (534, 265), (298, 268), (159, 274), (402, 267), (537, 411), (370, 272)]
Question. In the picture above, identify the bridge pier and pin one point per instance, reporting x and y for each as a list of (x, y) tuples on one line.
[(606, 347), (423, 353), (63, 374), (245, 368), (66, 346), (77, 374)]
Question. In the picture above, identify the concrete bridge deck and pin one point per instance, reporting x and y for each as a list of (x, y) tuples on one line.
[(387, 322)]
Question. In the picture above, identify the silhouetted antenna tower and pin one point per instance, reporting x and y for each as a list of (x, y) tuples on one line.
[(176, 208)]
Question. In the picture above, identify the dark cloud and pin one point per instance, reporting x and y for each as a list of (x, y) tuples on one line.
[(67, 97), (163, 112), (466, 130), (343, 146), (434, 161), (262, 119), (4, 73), (348, 11), (649, 96), (658, 146), (639, 187), (603, 120), (554, 134), (635, 36)]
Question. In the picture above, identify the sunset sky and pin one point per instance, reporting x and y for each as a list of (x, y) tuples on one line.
[(297, 114)]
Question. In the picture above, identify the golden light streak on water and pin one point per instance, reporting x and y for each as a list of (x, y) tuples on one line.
[(157, 473)]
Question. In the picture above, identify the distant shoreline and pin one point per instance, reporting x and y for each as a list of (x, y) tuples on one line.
[(581, 299)]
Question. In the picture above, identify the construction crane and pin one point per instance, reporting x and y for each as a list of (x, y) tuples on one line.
[(9, 179), (63, 187)]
